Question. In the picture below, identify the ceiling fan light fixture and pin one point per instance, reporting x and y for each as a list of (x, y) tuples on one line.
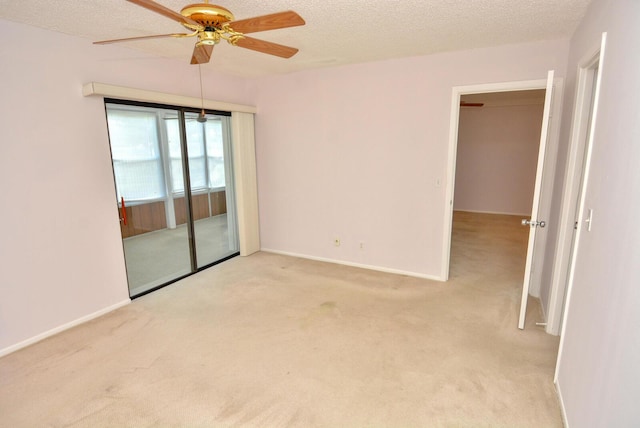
[(209, 38), (209, 42)]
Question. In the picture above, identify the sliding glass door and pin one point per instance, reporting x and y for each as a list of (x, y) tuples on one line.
[(209, 144), (174, 186)]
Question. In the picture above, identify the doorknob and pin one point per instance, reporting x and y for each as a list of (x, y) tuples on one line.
[(533, 223)]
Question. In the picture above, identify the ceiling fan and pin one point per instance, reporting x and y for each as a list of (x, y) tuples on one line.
[(212, 23)]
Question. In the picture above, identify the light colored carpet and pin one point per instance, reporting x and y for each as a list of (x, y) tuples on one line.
[(276, 341)]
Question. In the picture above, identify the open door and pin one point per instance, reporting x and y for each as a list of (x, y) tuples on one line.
[(535, 223)]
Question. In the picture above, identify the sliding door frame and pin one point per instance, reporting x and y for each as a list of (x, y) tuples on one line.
[(182, 110)]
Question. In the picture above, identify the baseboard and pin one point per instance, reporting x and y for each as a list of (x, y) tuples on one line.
[(494, 212), (562, 409), (61, 328), (358, 265)]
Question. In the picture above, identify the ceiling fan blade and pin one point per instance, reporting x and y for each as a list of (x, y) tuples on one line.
[(201, 54), (266, 47), (128, 39), (158, 8), (468, 104), (267, 22)]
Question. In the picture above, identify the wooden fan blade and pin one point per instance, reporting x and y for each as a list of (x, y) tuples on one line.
[(164, 11), (157, 36), (266, 47), (468, 104), (267, 22), (201, 54)]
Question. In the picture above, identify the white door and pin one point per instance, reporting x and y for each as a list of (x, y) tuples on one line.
[(535, 223)]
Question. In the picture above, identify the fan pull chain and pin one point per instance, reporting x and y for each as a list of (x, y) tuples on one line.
[(201, 116), (201, 93)]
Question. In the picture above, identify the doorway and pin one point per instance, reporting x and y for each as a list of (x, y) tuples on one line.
[(496, 166), (175, 192), (543, 182), (498, 151)]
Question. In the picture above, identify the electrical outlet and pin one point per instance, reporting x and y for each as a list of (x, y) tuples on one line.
[(336, 242), (361, 245)]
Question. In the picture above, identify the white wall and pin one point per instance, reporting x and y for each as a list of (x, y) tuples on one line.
[(497, 158), (61, 255), (357, 152), (598, 374)]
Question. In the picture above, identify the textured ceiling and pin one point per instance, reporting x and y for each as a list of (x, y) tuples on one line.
[(337, 31)]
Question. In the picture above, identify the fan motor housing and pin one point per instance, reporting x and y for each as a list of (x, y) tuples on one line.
[(207, 15)]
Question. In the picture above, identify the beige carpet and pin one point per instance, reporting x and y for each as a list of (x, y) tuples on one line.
[(275, 341)]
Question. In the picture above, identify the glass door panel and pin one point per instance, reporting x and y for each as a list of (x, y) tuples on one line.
[(150, 194), (172, 223), (211, 177)]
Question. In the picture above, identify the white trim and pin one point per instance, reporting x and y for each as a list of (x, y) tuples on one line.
[(483, 88), (457, 91), (62, 328), (563, 412), (581, 207), (570, 193), (357, 265), (122, 92)]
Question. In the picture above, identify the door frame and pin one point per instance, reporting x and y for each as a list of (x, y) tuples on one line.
[(230, 186), (546, 191), (578, 159)]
